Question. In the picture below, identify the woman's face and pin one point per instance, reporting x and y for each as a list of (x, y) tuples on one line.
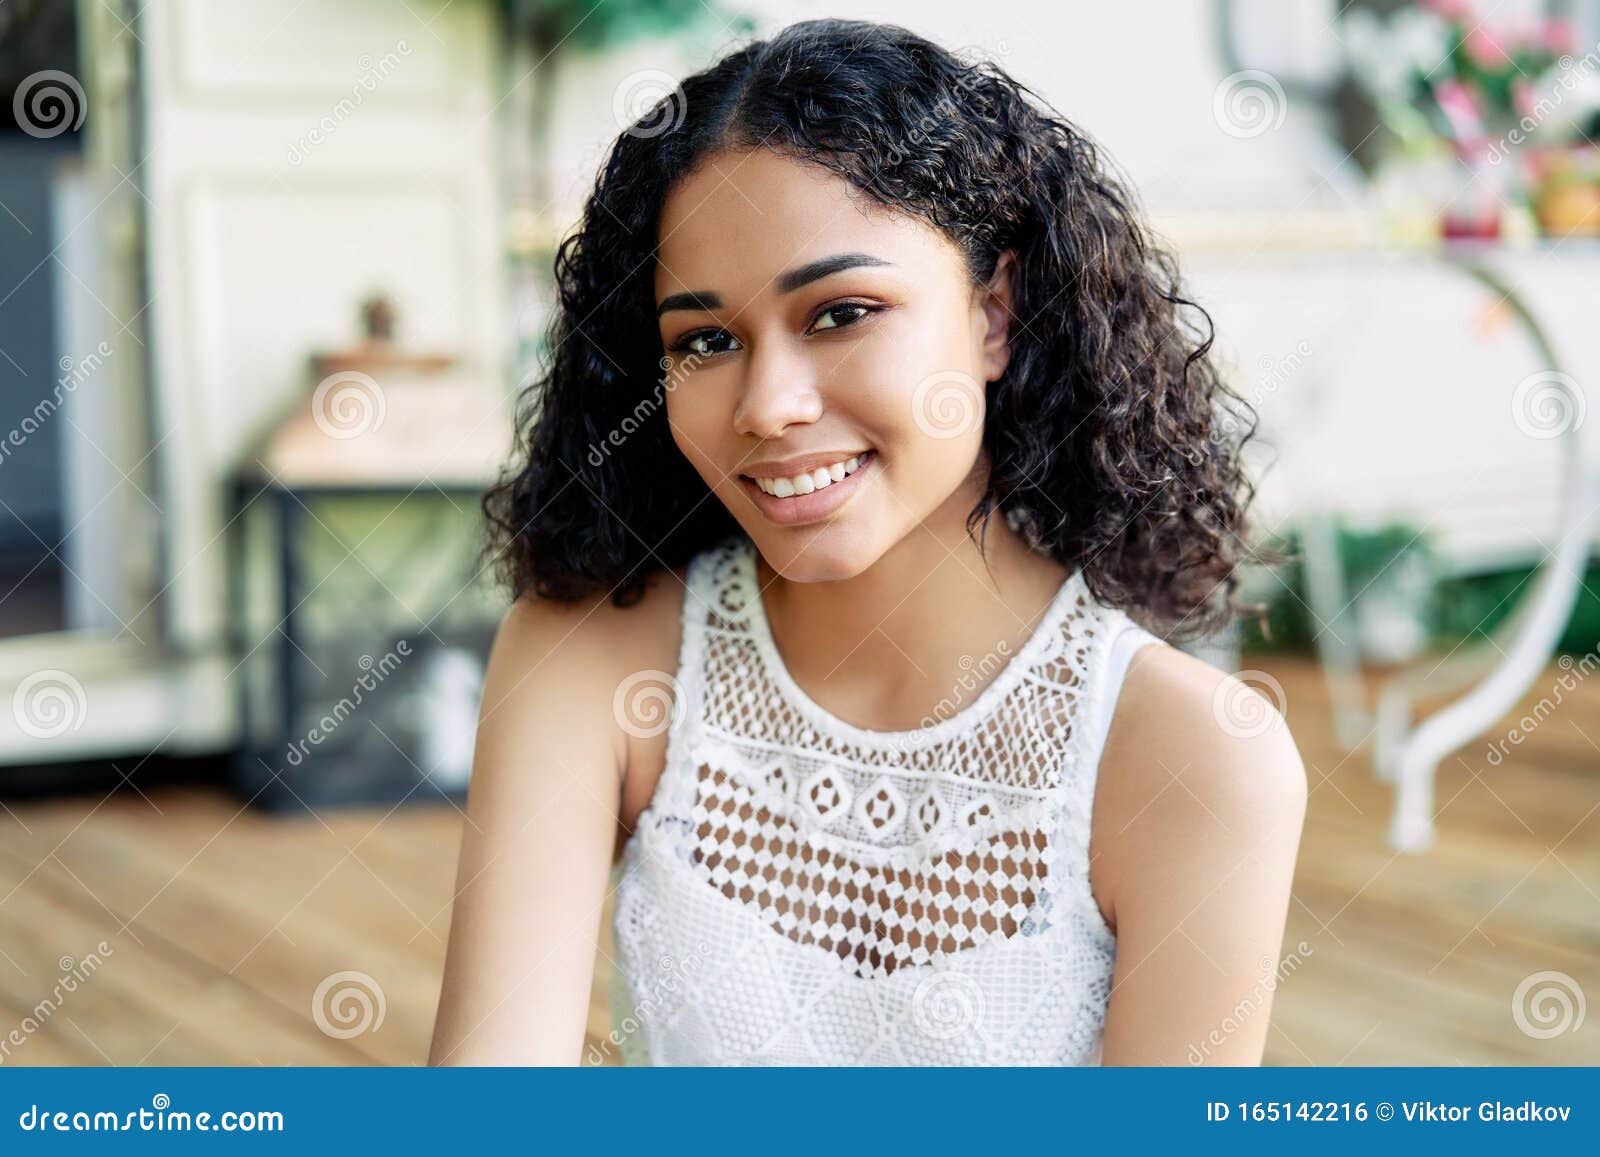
[(804, 327)]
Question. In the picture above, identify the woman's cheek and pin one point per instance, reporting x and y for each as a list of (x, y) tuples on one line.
[(692, 422)]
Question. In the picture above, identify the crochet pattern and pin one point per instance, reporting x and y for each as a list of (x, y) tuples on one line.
[(821, 893)]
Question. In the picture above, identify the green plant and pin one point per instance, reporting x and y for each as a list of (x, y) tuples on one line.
[(590, 25), (1471, 606), (1458, 609), (1392, 565)]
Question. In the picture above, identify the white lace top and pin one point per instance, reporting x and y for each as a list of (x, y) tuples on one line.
[(803, 891)]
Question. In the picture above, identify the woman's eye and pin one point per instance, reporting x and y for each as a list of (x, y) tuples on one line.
[(851, 311), (845, 307), (688, 344)]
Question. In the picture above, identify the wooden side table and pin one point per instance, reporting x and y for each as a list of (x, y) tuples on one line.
[(358, 612)]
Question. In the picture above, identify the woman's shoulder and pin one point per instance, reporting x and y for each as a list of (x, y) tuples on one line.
[(1197, 758), (1230, 735), (570, 660), (592, 635)]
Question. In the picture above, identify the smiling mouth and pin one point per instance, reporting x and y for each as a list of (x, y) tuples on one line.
[(808, 482)]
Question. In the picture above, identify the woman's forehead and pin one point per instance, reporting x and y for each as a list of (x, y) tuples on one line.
[(740, 221)]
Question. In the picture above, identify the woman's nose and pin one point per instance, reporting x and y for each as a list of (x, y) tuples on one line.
[(780, 390)]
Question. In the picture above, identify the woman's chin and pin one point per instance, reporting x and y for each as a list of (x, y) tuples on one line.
[(814, 554)]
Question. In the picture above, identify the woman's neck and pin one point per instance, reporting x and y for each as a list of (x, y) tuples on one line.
[(920, 631)]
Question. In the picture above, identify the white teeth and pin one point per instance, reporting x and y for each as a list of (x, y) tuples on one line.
[(814, 480)]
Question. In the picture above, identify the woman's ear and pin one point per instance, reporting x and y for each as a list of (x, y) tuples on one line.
[(997, 312)]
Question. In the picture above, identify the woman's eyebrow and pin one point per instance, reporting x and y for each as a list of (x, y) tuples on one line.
[(705, 299)]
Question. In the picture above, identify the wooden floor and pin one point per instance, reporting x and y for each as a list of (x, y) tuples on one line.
[(222, 923)]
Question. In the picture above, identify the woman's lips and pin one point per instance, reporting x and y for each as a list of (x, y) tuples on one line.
[(817, 505)]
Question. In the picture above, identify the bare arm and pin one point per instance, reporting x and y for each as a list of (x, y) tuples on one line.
[(1203, 828), (536, 847)]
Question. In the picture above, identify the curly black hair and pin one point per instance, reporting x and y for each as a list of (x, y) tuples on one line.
[(1113, 442)]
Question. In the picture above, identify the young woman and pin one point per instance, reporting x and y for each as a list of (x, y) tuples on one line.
[(877, 449)]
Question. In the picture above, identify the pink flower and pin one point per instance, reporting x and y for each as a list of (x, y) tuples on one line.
[(1450, 9), (1558, 36), (1461, 110), (1485, 50), (1524, 98)]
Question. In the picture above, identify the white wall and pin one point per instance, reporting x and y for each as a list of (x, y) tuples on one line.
[(263, 235)]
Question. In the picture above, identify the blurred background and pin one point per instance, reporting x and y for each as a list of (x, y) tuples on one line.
[(272, 272)]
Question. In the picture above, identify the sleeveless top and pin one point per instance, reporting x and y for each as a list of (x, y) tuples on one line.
[(803, 891)]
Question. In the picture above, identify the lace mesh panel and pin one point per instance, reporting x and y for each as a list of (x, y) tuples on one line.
[(892, 853)]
